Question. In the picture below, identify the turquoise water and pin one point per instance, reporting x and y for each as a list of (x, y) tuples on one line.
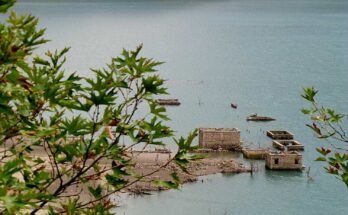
[(256, 53)]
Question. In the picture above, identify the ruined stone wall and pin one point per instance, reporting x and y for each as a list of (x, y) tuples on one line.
[(223, 138), (284, 161)]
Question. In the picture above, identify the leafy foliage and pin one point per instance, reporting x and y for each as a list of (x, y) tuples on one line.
[(6, 4), (60, 133), (327, 124)]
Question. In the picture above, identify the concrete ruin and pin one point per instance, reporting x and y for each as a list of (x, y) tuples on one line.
[(289, 145), (284, 161), (219, 138), (257, 154), (280, 135)]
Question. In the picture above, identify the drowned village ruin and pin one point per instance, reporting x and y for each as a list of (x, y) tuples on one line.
[(288, 157), (219, 138), (284, 156), (283, 161)]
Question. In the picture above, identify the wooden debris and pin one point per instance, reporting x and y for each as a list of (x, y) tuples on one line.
[(255, 117), (233, 105), (168, 102)]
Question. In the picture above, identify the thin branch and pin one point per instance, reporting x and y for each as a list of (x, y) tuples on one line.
[(129, 184), (95, 122), (55, 164)]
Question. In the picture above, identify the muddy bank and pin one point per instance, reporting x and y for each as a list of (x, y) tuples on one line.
[(145, 163), (150, 162)]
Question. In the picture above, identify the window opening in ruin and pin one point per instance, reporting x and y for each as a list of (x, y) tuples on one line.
[(296, 161), (276, 161)]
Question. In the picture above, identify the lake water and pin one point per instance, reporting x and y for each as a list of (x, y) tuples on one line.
[(256, 53)]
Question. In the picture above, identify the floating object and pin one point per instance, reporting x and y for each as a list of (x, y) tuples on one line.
[(257, 154), (168, 101), (255, 117), (290, 145), (234, 105), (284, 161), (280, 135)]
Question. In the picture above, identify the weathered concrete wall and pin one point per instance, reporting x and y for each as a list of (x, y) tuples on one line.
[(215, 138), (290, 145), (280, 135), (259, 154), (284, 161)]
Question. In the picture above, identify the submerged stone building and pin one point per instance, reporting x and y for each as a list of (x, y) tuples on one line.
[(284, 160), (219, 138)]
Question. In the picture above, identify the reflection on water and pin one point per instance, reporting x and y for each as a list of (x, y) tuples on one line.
[(282, 175)]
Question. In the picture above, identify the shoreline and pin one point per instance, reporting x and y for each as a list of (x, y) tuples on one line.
[(150, 161), (145, 162)]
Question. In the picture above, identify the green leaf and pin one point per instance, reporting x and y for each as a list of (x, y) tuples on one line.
[(13, 76), (306, 111), (175, 177), (5, 5), (309, 94), (115, 181), (320, 159), (315, 129), (322, 151), (42, 177), (158, 111), (12, 166), (77, 126), (51, 211), (166, 184), (152, 84), (96, 192), (326, 136)]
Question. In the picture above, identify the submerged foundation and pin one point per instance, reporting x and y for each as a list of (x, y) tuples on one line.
[(289, 145), (280, 135)]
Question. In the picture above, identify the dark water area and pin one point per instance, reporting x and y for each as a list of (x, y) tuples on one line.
[(257, 53)]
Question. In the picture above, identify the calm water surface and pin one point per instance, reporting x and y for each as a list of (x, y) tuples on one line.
[(257, 53)]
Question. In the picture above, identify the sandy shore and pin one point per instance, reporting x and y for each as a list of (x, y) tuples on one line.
[(146, 162), (149, 162)]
